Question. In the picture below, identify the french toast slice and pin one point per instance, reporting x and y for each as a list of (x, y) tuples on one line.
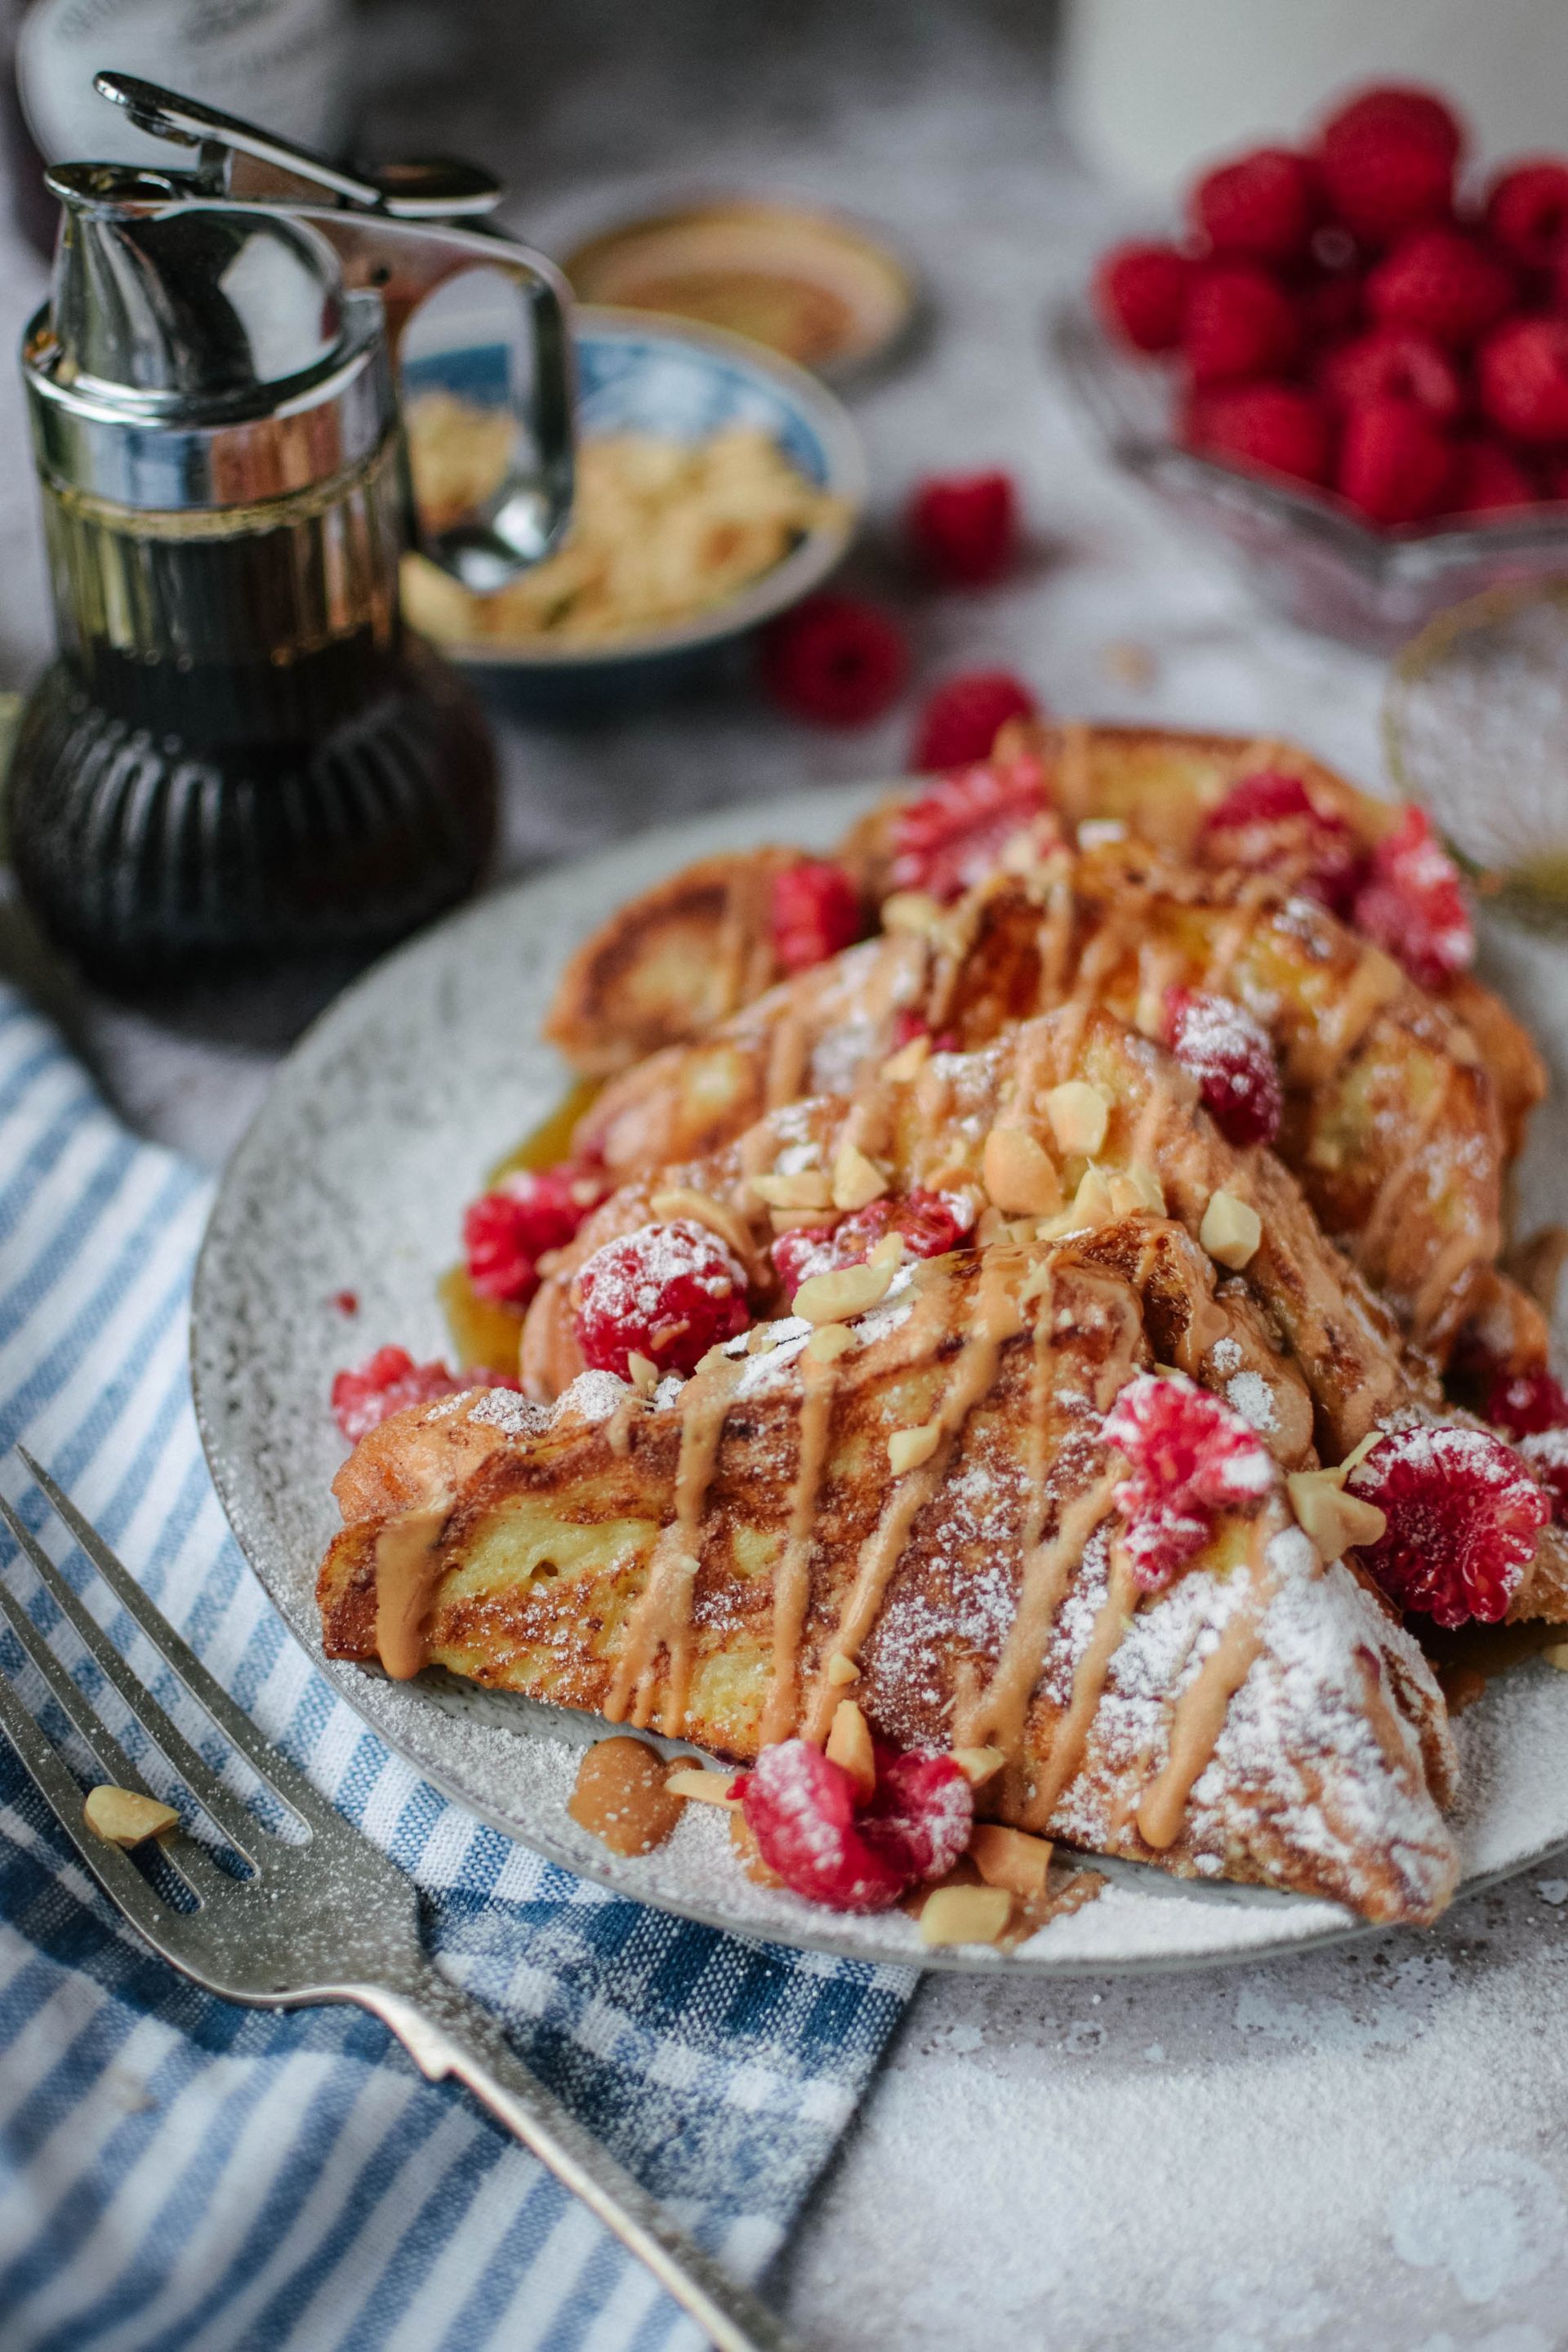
[(1301, 1327), (1392, 1126), (697, 1561)]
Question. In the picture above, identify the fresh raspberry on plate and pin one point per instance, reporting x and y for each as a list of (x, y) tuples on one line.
[(921, 1815), (1487, 475), (952, 836), (1412, 903), (668, 1291), (1464, 1516), (800, 1808), (1329, 302), (1188, 1456), (835, 660), (1393, 364), (1232, 1058), (1527, 212), (1262, 208), (964, 528), (1239, 323), (816, 912), (1267, 429), (1522, 375), (1269, 824), (1388, 160), (931, 1223), (390, 1380), (1441, 282), (1524, 1403), (963, 717), (1394, 463), (1140, 294), (507, 1231)]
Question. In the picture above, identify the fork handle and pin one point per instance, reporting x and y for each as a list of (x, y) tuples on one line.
[(446, 2033)]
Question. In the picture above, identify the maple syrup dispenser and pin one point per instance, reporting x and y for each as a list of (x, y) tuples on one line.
[(238, 761)]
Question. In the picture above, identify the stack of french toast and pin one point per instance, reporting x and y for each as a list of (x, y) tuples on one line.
[(1070, 1332)]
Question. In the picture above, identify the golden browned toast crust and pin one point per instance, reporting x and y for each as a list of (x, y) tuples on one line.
[(1392, 1126), (694, 1561)]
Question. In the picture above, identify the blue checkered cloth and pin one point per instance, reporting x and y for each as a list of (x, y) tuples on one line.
[(178, 2172)]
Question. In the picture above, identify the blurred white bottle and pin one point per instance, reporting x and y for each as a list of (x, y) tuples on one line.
[(1150, 88)]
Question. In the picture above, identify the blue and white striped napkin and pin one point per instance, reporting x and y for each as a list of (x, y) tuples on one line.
[(178, 2172)]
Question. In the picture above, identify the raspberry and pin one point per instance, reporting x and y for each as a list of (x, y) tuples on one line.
[(964, 528), (1268, 428), (909, 1025), (1264, 207), (1189, 1456), (1267, 824), (507, 1231), (1441, 283), (1546, 1451), (1487, 474), (1527, 212), (391, 1378), (1330, 304), (962, 718), (1394, 462), (1393, 364), (667, 1292), (1238, 322), (1463, 1517), (815, 911), (1526, 1403), (834, 660), (800, 1808), (1388, 160), (952, 836), (931, 1222), (921, 1815), (1521, 374), (1412, 903), (1141, 293), (1233, 1061)]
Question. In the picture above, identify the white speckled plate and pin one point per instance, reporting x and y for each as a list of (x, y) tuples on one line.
[(378, 1128)]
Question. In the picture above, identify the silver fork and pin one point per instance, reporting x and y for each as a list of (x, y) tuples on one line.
[(330, 1919)]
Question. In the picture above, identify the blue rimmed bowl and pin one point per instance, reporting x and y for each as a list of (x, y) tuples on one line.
[(637, 374)]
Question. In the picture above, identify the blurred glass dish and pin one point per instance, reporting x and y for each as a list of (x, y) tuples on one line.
[(1476, 721), (1309, 560), (820, 289)]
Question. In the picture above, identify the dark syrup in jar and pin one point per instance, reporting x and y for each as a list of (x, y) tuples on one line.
[(239, 761)]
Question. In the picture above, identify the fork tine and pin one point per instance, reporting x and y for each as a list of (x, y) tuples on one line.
[(114, 1871), (198, 1870), (235, 1819), (267, 1762)]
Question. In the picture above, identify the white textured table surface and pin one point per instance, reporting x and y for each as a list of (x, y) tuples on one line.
[(1365, 2148)]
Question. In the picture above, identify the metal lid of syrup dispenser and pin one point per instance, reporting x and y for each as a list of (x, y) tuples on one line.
[(220, 336)]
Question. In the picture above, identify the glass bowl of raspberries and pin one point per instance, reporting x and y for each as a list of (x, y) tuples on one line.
[(1352, 366)]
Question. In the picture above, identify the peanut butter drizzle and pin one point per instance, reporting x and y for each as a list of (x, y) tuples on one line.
[(1372, 985), (1152, 1118), (1399, 1178), (745, 956), (661, 1622), (997, 1317), (1202, 1707), (620, 1796), (1054, 939), (1088, 1684), (1236, 933), (407, 1570), (791, 1590), (788, 1049)]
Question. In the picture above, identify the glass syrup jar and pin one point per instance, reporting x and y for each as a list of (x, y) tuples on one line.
[(239, 761)]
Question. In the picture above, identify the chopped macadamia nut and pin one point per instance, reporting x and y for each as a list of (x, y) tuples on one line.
[(913, 911), (1010, 1858), (700, 1786), (825, 1346), (889, 1251), (849, 1290), (965, 1915), (703, 1210), (1079, 1114), (1335, 1521), (1231, 1231), (979, 1765), (1556, 1655), (857, 1180), (809, 1190), (909, 1060), (644, 1373), (908, 1448), (124, 1817), (849, 1746), (842, 1670), (1019, 1175)]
